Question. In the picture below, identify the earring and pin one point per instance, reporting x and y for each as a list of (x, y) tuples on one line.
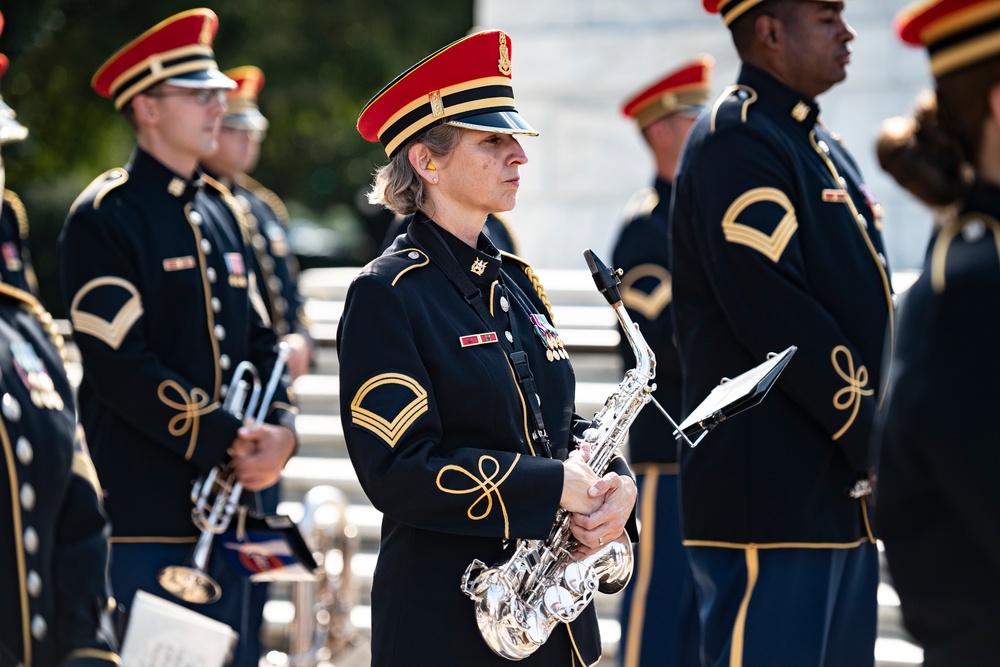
[(431, 167), (434, 180)]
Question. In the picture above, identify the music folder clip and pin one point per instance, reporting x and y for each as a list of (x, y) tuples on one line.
[(732, 397)]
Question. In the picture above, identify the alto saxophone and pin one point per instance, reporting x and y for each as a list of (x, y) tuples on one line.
[(520, 601)]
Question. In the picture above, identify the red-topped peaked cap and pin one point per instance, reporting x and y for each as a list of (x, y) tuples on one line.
[(957, 33), (177, 50), (10, 129), (466, 84), (733, 9), (242, 112), (683, 89)]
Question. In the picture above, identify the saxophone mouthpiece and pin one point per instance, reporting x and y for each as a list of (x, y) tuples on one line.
[(605, 279)]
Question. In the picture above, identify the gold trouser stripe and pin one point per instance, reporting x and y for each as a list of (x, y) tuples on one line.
[(739, 629), (107, 656), (775, 545), (637, 610)]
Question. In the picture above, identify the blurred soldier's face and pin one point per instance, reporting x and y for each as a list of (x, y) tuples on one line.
[(816, 47), (236, 149), (180, 122), (481, 174)]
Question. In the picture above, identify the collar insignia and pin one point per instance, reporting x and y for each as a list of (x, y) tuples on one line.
[(478, 267), (801, 111), (176, 186)]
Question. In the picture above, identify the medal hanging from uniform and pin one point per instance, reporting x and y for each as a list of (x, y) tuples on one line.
[(35, 377)]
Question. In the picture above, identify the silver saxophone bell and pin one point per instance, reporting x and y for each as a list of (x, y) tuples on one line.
[(216, 497)]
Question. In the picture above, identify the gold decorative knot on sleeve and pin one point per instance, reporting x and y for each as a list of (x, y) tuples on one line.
[(849, 397), (487, 483), (190, 409)]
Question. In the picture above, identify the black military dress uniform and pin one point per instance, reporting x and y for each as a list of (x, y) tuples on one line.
[(54, 550), (436, 426), (785, 249), (155, 278), (776, 241), (937, 493), (15, 258)]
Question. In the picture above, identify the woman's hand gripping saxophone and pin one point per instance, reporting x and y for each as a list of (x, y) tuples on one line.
[(600, 505)]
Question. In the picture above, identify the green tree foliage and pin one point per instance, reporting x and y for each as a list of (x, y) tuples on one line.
[(322, 59)]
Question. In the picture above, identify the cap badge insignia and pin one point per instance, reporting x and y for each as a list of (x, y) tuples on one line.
[(801, 111), (437, 105), (504, 64), (176, 186), (478, 267)]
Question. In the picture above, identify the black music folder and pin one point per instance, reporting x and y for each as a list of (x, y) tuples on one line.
[(734, 396)]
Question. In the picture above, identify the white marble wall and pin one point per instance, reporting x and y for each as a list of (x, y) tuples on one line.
[(575, 61)]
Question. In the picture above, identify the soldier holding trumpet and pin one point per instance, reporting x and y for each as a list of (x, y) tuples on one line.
[(156, 278)]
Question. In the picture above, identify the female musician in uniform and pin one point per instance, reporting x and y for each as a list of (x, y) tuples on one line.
[(447, 441), (938, 497)]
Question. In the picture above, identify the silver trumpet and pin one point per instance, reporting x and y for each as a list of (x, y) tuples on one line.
[(520, 601), (216, 496)]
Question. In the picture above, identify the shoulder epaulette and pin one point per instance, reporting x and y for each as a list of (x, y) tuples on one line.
[(397, 264), (267, 196), (971, 227), (14, 202), (640, 204), (742, 95), (99, 187), (535, 282)]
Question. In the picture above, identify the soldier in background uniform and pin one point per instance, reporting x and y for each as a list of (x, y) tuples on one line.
[(54, 590), (776, 241), (243, 129), (154, 276), (937, 494), (456, 392), (15, 262), (659, 614)]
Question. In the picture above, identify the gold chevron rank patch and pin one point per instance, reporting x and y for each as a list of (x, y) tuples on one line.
[(106, 308), (647, 289), (769, 204), (388, 405)]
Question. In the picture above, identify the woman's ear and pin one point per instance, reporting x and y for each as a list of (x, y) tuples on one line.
[(423, 162)]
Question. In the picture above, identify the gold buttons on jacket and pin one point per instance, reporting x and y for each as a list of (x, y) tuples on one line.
[(195, 217), (39, 628), (216, 304), (34, 584), (25, 453), (225, 362), (206, 246), (504, 304), (31, 540), (27, 497), (210, 272), (10, 407), (220, 332)]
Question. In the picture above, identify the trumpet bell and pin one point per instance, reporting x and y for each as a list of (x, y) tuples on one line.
[(190, 584)]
